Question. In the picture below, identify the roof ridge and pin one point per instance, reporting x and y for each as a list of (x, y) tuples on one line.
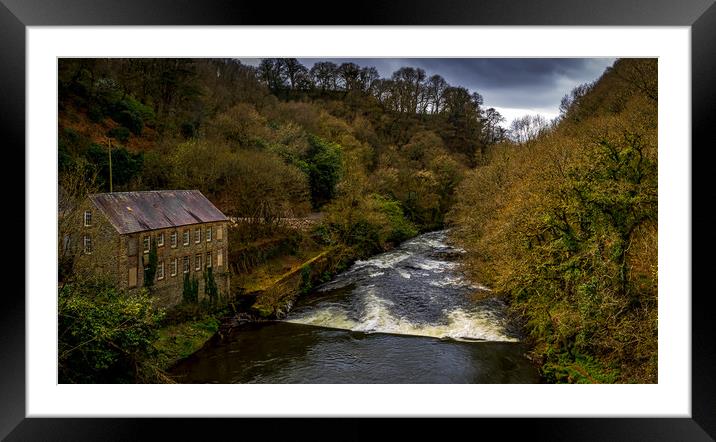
[(138, 211), (149, 191)]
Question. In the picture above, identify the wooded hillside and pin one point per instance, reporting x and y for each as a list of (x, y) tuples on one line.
[(564, 225)]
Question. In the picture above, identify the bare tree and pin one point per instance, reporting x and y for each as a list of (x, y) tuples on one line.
[(436, 86), (74, 187), (528, 128), (324, 74)]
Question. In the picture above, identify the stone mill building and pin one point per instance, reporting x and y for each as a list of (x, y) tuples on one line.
[(189, 233)]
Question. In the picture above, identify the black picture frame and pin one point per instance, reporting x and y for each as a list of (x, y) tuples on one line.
[(700, 15)]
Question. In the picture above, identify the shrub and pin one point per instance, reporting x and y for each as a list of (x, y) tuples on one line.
[(323, 168), (125, 165), (131, 120), (105, 335), (190, 292), (400, 228), (95, 114), (188, 130), (210, 288), (120, 133)]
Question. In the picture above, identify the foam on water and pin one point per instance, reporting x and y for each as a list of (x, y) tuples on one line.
[(377, 318), (404, 274), (407, 291), (384, 261)]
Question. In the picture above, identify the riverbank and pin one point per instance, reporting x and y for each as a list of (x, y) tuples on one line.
[(266, 292), (402, 316)]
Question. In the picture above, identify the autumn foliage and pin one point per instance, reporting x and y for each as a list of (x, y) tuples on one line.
[(564, 225)]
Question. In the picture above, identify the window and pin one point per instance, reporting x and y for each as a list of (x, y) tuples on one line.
[(197, 236), (219, 258), (88, 218), (173, 239), (208, 234), (174, 267), (186, 237), (147, 241), (197, 262), (208, 259), (186, 264), (160, 270), (160, 240), (132, 241), (88, 244), (219, 232)]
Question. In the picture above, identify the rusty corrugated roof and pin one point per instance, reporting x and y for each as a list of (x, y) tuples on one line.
[(131, 212)]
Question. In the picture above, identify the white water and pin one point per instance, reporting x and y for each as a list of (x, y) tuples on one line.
[(408, 291), (461, 325)]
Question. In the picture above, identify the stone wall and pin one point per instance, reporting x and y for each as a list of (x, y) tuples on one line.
[(115, 256), (103, 261), (277, 300), (168, 289)]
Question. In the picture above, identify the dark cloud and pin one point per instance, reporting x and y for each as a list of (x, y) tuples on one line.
[(514, 86)]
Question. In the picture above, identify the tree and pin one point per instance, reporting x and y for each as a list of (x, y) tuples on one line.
[(273, 73), (409, 88), (492, 131), (75, 185), (435, 88), (106, 336), (295, 72), (264, 187), (323, 167), (567, 230), (126, 166), (324, 74), (527, 128)]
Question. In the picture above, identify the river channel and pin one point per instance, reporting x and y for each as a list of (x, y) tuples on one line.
[(404, 316)]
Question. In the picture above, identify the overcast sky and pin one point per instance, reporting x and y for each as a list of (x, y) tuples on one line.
[(513, 86)]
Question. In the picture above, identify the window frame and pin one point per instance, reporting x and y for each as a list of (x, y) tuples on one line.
[(174, 239), (160, 268), (186, 237), (209, 263), (87, 239), (186, 265), (84, 218), (174, 267), (160, 240), (197, 235), (146, 243), (197, 262)]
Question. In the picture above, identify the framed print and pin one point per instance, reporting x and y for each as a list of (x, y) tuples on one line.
[(48, 50)]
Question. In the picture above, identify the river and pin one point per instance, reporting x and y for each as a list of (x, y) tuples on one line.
[(404, 316)]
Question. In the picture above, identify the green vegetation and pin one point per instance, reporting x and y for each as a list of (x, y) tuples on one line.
[(179, 340), (559, 218), (190, 291), (210, 288), (564, 225), (278, 140), (106, 335), (150, 269)]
